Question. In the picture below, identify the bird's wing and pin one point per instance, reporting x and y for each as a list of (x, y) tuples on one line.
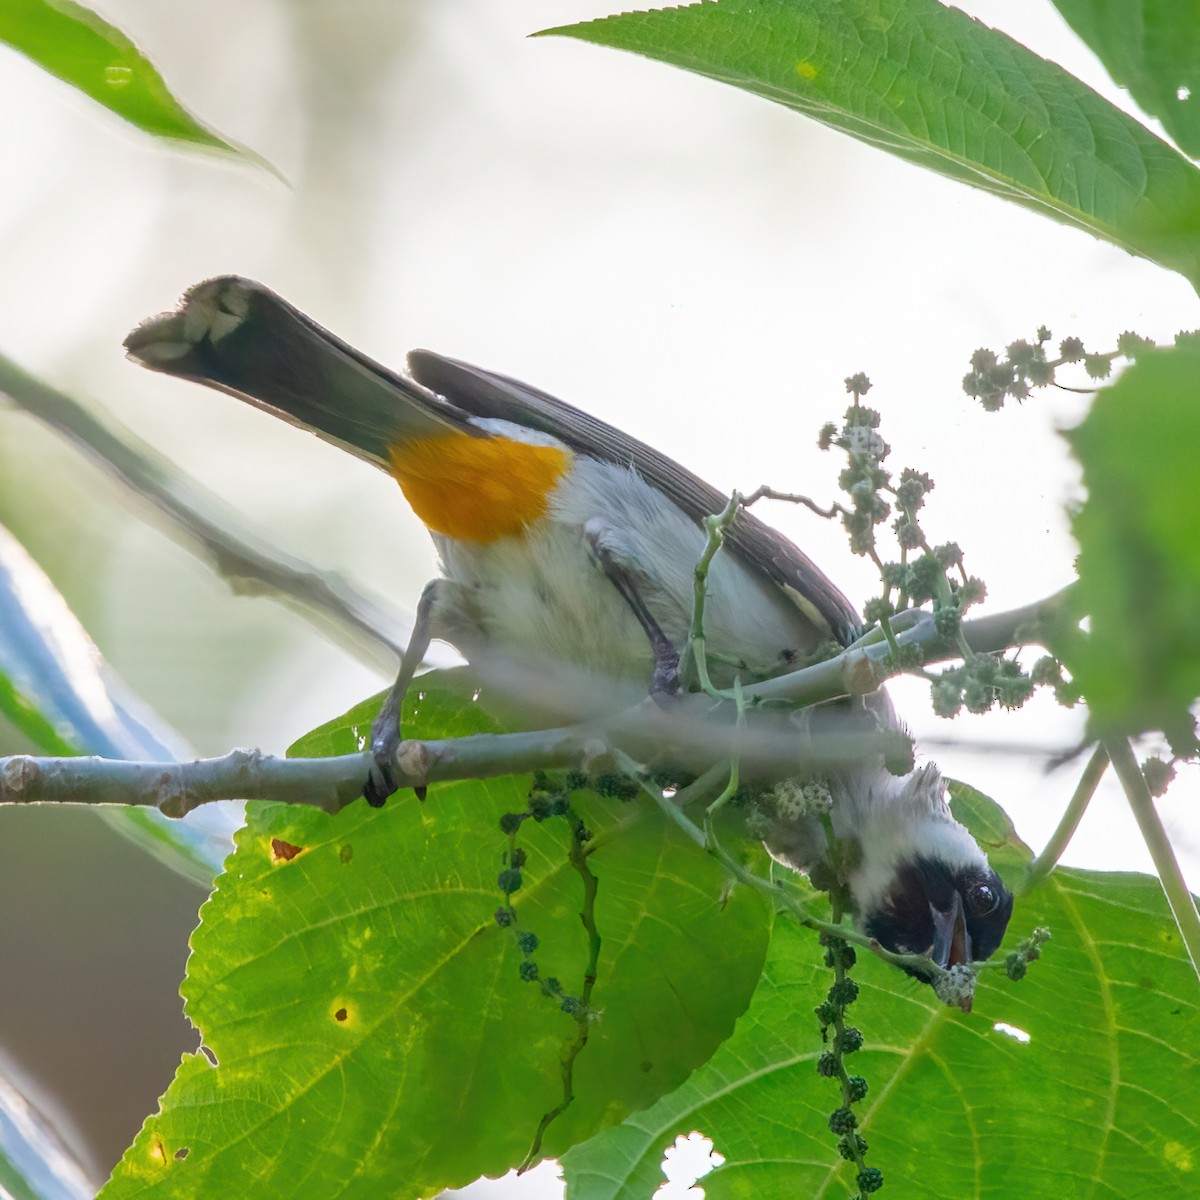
[(484, 394)]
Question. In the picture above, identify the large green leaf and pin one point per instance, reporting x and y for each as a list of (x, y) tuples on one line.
[(97, 59), (935, 87), (1139, 539), (371, 1032), (1151, 47), (1100, 1101)]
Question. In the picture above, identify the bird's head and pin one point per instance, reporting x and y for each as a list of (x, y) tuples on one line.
[(923, 885), (955, 913)]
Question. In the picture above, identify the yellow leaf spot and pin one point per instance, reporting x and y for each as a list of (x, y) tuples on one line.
[(807, 70), (1180, 1157), (158, 1152)]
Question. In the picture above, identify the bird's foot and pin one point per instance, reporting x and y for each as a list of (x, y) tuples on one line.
[(385, 742)]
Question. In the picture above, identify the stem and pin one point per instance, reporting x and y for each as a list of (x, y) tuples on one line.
[(702, 785), (1137, 791), (885, 626), (239, 554), (735, 766), (578, 858), (694, 652), (1084, 791)]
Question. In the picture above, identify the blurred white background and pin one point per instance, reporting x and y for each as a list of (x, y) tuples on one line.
[(692, 264)]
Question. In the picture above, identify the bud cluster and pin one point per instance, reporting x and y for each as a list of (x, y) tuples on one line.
[(1027, 951), (1024, 366)]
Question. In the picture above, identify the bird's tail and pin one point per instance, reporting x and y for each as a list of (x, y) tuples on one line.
[(238, 336)]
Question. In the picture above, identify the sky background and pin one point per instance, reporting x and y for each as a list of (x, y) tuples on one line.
[(692, 264)]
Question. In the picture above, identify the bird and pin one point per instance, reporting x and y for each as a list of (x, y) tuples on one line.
[(568, 552)]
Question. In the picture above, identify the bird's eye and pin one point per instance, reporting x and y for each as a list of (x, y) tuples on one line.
[(982, 899)]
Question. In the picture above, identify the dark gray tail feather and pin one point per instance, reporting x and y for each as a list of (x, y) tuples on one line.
[(238, 336)]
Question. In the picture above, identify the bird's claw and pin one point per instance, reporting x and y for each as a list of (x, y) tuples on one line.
[(385, 741), (381, 781)]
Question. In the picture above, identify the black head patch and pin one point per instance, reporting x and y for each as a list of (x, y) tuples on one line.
[(904, 922)]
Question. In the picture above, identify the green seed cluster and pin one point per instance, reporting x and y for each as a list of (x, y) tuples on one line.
[(1029, 950), (1159, 773), (982, 682), (1049, 672)]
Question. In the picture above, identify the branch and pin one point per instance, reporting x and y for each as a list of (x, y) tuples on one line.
[(690, 732), (240, 557), (864, 666)]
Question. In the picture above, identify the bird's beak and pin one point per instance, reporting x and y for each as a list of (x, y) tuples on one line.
[(951, 941)]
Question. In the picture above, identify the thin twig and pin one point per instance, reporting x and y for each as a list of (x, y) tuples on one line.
[(363, 625), (769, 493)]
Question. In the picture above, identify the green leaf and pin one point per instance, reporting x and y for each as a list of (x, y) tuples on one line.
[(1099, 1101), (371, 1032), (935, 87), (24, 715), (1152, 48), (34, 1162), (56, 689), (1139, 540), (97, 59)]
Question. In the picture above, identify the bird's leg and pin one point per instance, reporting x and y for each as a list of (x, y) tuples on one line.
[(385, 732), (665, 679)]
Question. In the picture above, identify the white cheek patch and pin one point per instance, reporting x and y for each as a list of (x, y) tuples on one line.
[(900, 836)]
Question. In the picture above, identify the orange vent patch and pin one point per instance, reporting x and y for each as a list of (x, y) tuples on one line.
[(477, 489)]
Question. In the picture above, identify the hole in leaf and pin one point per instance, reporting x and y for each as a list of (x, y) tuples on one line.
[(182, 1153), (282, 851), (1018, 1035), (212, 1058), (1183, 93), (543, 1182), (690, 1159), (342, 1013)]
